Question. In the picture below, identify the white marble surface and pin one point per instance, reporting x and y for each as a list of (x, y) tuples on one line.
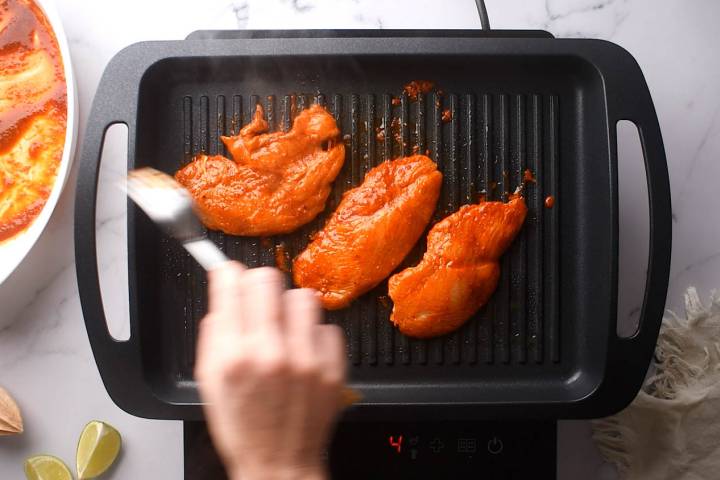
[(45, 359)]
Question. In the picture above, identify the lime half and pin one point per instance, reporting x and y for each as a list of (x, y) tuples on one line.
[(98, 448), (46, 467)]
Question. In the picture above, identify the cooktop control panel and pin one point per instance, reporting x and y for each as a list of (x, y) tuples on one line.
[(398, 451), (496, 450)]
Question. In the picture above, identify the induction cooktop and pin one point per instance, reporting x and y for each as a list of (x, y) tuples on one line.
[(433, 450)]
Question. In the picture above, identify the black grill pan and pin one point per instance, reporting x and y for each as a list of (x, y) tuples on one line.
[(545, 346)]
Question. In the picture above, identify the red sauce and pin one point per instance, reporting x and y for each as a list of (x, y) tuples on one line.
[(528, 176), (274, 183), (281, 258), (395, 101), (515, 195), (458, 271), (33, 113), (446, 115), (395, 129), (351, 254), (416, 87), (549, 201), (293, 106), (380, 134)]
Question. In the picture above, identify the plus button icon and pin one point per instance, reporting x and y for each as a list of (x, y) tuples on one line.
[(436, 445)]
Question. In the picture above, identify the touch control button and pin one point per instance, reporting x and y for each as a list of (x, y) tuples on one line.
[(495, 446)]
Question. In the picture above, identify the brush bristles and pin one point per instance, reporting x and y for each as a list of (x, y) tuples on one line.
[(157, 193), (151, 178)]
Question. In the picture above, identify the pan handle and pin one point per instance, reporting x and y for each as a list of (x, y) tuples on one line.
[(630, 100), (119, 362)]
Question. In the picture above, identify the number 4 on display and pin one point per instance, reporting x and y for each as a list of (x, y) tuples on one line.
[(396, 444)]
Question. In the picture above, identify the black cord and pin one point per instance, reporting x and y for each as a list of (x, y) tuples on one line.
[(482, 12)]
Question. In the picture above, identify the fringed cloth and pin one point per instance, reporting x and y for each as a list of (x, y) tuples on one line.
[(671, 431)]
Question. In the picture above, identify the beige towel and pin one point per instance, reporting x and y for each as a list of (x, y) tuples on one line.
[(671, 431)]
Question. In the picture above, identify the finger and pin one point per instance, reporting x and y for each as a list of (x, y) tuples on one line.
[(218, 341), (223, 323), (224, 287), (203, 349), (261, 295), (330, 344), (302, 313)]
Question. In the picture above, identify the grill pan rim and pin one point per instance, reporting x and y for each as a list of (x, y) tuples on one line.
[(120, 367)]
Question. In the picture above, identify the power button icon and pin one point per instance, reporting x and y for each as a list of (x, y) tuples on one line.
[(495, 446)]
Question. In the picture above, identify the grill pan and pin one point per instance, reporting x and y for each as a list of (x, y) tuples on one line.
[(545, 345)]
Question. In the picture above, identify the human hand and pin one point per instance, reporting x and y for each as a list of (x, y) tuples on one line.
[(269, 373)]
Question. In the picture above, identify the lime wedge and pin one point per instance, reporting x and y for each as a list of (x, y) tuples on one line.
[(97, 449), (46, 467)]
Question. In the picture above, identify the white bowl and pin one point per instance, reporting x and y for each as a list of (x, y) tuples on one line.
[(14, 250)]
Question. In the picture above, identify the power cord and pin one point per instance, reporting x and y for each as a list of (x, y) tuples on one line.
[(482, 12)]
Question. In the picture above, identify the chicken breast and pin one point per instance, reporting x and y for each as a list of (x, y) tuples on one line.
[(459, 271), (33, 114), (276, 181), (372, 230)]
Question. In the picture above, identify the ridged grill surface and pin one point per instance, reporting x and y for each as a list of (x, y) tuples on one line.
[(482, 149)]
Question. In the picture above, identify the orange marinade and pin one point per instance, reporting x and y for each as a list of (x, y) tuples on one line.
[(275, 183), (33, 114), (528, 176), (416, 87), (281, 258), (373, 229), (459, 271)]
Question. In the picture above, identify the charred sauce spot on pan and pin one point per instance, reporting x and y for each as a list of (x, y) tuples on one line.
[(395, 129), (416, 87), (380, 131), (380, 134), (293, 106), (384, 300), (528, 176), (266, 242), (282, 260)]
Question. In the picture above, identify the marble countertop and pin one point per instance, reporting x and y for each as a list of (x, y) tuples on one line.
[(45, 358)]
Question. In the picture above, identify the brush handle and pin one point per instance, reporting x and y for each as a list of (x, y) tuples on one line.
[(207, 254)]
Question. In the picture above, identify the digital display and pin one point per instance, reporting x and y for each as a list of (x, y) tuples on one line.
[(516, 450), (396, 442)]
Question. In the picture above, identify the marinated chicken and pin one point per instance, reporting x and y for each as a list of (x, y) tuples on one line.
[(372, 230), (33, 114), (459, 271), (275, 183)]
